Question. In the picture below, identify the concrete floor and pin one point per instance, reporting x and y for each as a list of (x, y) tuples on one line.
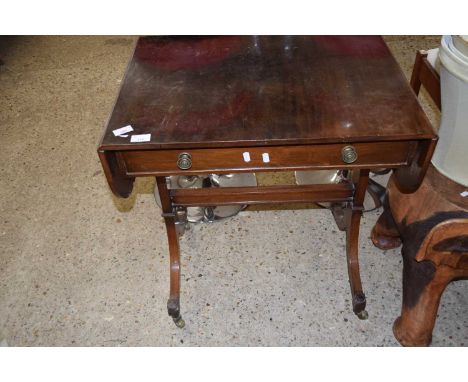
[(79, 267)]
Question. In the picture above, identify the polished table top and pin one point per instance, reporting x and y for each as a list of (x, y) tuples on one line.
[(228, 91)]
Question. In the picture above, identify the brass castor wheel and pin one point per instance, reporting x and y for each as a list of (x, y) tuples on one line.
[(363, 315), (180, 323)]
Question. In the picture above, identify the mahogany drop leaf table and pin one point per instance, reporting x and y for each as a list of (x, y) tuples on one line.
[(233, 104)]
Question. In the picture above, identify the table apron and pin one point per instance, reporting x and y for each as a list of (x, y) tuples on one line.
[(271, 158)]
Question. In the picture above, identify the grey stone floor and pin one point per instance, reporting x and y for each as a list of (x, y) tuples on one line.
[(79, 267)]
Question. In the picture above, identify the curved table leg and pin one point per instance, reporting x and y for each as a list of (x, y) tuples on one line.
[(173, 304), (354, 213)]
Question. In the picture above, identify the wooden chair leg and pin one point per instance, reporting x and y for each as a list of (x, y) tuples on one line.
[(414, 326), (385, 234), (354, 213), (173, 304), (415, 81)]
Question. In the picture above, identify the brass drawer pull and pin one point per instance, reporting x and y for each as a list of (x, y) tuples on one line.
[(185, 161), (349, 154)]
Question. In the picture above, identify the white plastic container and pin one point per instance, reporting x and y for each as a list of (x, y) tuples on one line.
[(451, 154), (461, 45)]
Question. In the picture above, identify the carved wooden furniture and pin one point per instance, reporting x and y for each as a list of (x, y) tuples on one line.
[(234, 104), (432, 223)]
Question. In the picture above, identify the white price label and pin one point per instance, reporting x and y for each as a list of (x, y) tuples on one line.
[(120, 132), (140, 138)]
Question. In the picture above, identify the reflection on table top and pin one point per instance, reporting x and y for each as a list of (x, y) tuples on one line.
[(264, 90)]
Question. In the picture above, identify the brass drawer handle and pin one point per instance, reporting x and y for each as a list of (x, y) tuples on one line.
[(349, 154), (185, 161)]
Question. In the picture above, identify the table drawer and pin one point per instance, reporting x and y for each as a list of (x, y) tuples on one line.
[(271, 158)]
